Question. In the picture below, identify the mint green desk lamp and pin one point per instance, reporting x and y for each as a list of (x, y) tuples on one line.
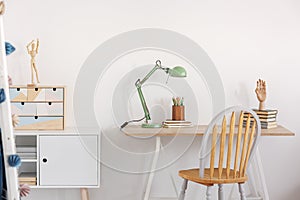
[(174, 72)]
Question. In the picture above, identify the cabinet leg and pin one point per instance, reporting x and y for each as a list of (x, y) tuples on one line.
[(84, 194)]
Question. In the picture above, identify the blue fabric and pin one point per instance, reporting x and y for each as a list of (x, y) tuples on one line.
[(9, 48), (3, 186), (2, 95)]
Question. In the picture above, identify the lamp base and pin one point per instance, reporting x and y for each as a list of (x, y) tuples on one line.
[(151, 125)]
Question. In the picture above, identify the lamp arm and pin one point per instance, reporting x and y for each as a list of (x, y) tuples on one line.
[(156, 67), (139, 83), (143, 102)]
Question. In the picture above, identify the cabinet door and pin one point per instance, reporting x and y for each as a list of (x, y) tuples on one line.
[(69, 160)]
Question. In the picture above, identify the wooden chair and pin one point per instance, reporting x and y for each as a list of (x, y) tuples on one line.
[(237, 143)]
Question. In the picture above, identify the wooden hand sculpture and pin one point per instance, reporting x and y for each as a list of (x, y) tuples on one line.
[(261, 93)]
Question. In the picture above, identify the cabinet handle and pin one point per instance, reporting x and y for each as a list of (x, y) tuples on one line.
[(45, 160)]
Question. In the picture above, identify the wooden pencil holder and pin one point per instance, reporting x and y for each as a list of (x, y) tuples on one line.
[(177, 112)]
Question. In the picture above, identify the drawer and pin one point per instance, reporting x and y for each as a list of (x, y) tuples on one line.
[(24, 108), (50, 108), (40, 123), (54, 94), (18, 94), (36, 94)]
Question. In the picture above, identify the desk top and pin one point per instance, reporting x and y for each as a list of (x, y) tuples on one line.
[(135, 130)]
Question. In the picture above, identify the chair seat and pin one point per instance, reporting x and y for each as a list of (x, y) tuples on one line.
[(193, 175)]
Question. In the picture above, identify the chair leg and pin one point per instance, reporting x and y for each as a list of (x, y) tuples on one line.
[(208, 192), (183, 189), (221, 192), (242, 191)]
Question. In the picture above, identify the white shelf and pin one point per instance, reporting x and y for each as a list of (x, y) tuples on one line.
[(28, 160)]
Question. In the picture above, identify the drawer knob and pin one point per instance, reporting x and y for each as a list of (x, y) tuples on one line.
[(45, 160)]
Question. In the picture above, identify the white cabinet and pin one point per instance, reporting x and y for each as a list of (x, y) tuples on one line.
[(59, 159), (68, 160)]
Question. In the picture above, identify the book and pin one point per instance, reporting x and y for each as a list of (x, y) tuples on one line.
[(266, 112), (28, 155), (27, 176), (169, 121), (176, 123), (261, 116), (32, 183), (23, 149), (267, 116), (176, 126), (264, 125), (268, 123), (261, 119), (268, 126)]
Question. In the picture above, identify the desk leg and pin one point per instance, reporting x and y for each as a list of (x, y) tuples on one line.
[(257, 182), (261, 175), (154, 163), (84, 194)]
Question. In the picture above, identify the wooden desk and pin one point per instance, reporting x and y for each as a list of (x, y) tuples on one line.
[(197, 130), (194, 130)]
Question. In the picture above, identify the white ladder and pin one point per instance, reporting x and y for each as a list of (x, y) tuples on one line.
[(8, 141)]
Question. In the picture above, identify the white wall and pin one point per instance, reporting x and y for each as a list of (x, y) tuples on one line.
[(246, 40)]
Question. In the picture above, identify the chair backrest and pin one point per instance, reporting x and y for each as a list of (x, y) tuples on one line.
[(230, 147)]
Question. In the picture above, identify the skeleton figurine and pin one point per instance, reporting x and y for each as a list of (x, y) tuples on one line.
[(33, 49)]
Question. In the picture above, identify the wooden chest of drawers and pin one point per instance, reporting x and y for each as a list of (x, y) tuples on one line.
[(39, 107)]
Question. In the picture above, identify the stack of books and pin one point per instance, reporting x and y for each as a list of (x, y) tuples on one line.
[(27, 178), (176, 123), (26, 152), (267, 118)]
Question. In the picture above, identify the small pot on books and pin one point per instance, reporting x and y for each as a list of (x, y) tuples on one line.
[(178, 113)]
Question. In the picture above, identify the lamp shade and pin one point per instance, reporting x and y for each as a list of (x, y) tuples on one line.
[(177, 72)]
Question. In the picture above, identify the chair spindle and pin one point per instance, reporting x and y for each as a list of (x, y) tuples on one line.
[(222, 145), (230, 141), (213, 151), (243, 155), (238, 144)]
